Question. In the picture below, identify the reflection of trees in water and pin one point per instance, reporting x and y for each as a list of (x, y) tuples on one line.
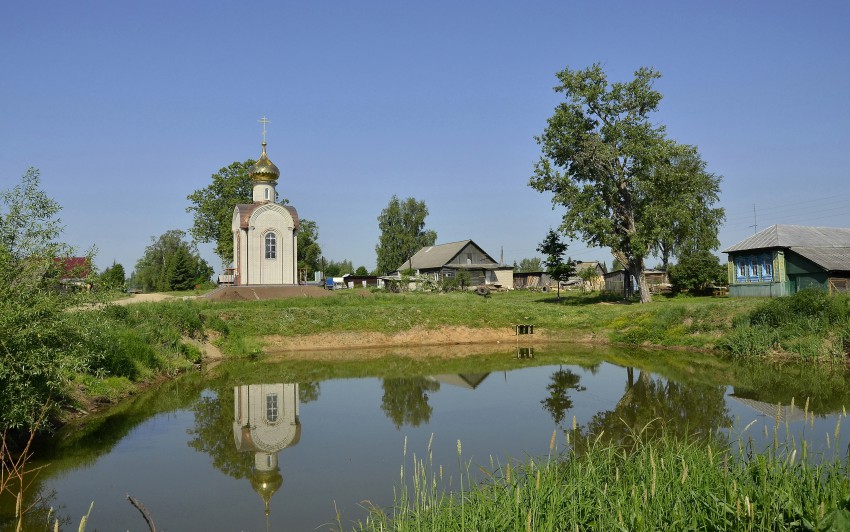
[(308, 391), (656, 407), (405, 401), (559, 401), (827, 386), (40, 510), (213, 434)]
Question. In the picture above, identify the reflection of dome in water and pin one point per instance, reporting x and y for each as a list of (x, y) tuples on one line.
[(266, 484), (265, 421)]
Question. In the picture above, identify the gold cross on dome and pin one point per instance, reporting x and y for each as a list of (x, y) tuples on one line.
[(264, 121)]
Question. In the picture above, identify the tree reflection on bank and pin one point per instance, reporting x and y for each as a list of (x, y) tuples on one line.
[(405, 400), (559, 402), (650, 407)]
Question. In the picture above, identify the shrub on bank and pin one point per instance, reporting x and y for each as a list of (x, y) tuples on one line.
[(48, 349), (810, 323)]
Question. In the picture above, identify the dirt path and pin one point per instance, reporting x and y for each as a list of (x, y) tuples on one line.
[(147, 298)]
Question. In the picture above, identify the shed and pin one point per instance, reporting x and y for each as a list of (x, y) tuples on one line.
[(532, 280), (784, 259), (620, 282)]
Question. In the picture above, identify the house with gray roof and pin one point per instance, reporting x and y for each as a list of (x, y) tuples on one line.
[(784, 259), (446, 260)]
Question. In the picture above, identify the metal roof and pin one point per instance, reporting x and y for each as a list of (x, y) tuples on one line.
[(585, 265), (431, 257), (832, 259), (828, 247), (792, 236)]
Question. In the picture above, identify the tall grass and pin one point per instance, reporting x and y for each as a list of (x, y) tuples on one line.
[(664, 483), (98, 353), (810, 324)]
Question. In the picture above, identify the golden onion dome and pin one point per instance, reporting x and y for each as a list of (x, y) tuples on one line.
[(264, 170)]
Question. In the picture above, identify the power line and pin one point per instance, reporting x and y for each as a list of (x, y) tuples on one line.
[(805, 205)]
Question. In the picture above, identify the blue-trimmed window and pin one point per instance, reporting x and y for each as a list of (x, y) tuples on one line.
[(754, 268), (740, 269), (767, 267)]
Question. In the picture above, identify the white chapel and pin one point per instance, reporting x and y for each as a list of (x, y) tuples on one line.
[(265, 246)]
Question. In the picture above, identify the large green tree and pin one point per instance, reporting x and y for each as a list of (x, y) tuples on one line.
[(171, 263), (338, 269), (113, 277), (212, 207), (684, 192), (605, 161), (309, 251), (29, 229), (403, 233), (697, 272)]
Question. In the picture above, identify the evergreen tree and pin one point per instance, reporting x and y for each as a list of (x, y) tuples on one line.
[(170, 263), (554, 250), (113, 277)]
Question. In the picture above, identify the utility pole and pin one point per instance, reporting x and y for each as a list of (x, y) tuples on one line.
[(755, 225)]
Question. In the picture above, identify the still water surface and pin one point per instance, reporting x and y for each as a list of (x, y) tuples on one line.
[(257, 446)]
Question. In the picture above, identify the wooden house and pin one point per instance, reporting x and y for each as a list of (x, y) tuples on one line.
[(598, 283), (75, 273), (360, 281), (784, 259), (446, 260), (656, 279)]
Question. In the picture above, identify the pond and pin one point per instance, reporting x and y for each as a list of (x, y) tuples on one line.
[(304, 445)]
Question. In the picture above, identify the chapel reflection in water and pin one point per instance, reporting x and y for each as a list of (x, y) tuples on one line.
[(265, 421)]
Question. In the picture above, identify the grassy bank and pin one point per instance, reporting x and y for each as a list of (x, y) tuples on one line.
[(76, 358), (72, 360), (681, 322), (811, 324), (661, 483)]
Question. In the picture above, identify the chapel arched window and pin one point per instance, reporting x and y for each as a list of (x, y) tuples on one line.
[(271, 246), (271, 407)]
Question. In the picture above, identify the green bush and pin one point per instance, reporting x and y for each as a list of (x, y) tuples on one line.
[(697, 273), (810, 308), (803, 324)]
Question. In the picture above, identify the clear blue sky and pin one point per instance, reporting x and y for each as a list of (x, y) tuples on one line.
[(128, 107)]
